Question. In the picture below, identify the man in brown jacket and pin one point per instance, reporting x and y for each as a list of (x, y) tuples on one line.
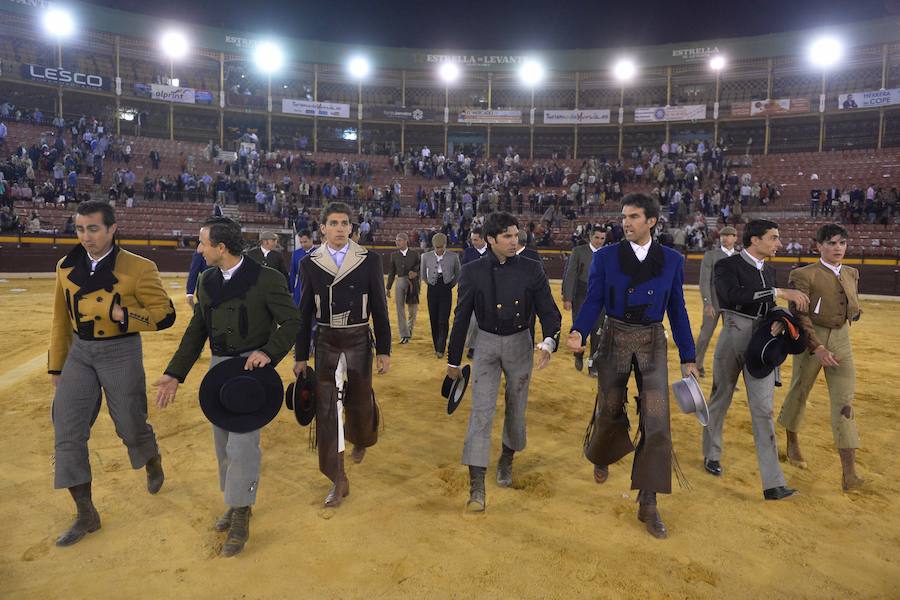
[(833, 305)]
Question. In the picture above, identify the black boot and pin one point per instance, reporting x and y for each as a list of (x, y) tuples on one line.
[(87, 520), (155, 475), (504, 467), (239, 532), (477, 501), (223, 523)]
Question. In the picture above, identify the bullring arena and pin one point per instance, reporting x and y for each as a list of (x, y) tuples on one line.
[(403, 531)]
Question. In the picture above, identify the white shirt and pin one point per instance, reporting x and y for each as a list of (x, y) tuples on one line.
[(592, 247), (338, 255), (403, 252), (226, 275), (482, 250), (641, 251), (264, 251), (834, 269), (727, 251), (520, 251), (440, 262), (95, 262), (759, 263)]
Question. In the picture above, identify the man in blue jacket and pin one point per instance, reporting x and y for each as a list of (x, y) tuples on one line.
[(636, 281), (304, 247), (198, 265)]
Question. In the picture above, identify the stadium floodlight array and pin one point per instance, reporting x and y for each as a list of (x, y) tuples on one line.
[(269, 57), (59, 22), (449, 72), (174, 44), (717, 62), (826, 51), (359, 67), (624, 69), (531, 72)]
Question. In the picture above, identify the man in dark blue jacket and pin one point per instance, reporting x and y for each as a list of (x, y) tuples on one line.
[(305, 247), (637, 282), (198, 265)]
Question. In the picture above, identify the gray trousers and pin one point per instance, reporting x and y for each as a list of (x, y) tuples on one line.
[(117, 367), (706, 333), (239, 459), (404, 324), (472, 333), (727, 365), (495, 354)]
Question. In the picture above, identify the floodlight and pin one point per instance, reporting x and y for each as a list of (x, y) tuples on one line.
[(174, 44), (531, 72), (624, 69), (825, 51), (449, 72), (359, 67), (59, 22), (268, 57), (717, 62)]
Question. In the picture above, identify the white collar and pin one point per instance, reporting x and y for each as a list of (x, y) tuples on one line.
[(592, 247), (727, 251), (403, 252), (94, 261), (341, 251), (759, 263), (834, 269), (264, 251), (228, 274), (518, 252), (643, 247), (482, 250), (440, 256)]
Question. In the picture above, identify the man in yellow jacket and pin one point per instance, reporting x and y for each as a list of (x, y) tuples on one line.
[(105, 296)]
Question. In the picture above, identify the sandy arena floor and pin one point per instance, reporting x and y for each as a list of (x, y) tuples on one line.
[(403, 533)]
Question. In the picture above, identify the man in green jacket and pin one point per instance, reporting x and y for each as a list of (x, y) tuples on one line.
[(244, 309)]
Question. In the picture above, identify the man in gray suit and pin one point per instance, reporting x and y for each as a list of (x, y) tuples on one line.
[(711, 310), (440, 270), (404, 266), (574, 288)]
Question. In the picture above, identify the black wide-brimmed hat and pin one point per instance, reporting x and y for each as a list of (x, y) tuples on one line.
[(454, 389), (765, 351), (240, 401), (300, 397)]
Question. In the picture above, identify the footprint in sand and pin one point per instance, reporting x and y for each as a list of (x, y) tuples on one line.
[(39, 550), (535, 484)]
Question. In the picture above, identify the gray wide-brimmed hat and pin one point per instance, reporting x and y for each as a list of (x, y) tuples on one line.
[(690, 398)]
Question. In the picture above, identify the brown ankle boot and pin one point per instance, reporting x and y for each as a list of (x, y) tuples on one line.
[(87, 519), (340, 488), (358, 454), (794, 456), (601, 473), (849, 479), (239, 532), (649, 515)]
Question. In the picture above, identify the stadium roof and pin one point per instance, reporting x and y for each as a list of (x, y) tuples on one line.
[(864, 33)]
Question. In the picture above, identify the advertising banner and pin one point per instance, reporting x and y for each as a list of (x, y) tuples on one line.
[(869, 99), (491, 116), (687, 112), (579, 117), (315, 109)]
